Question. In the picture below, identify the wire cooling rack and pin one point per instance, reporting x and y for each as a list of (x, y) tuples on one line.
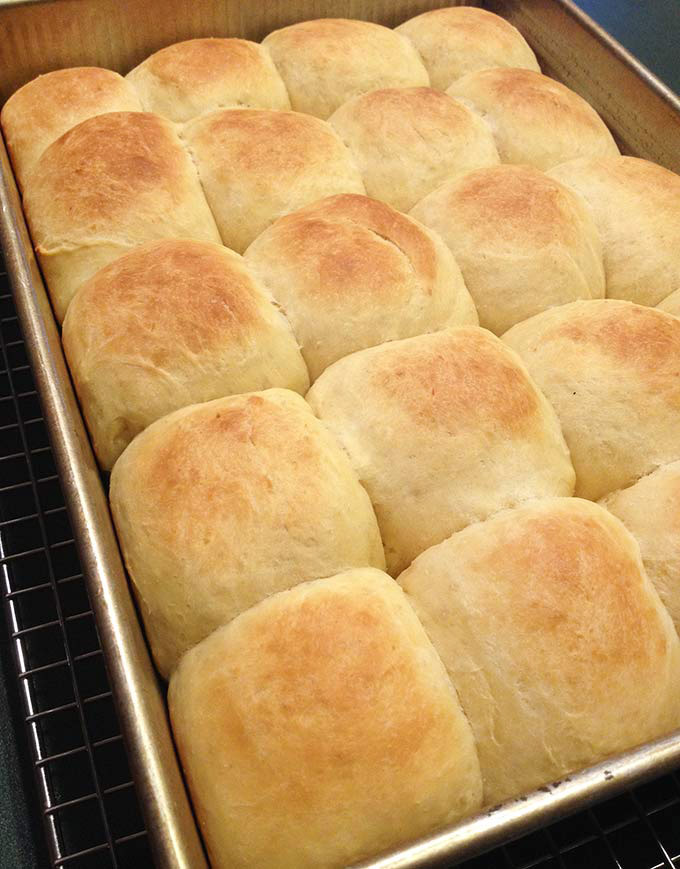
[(83, 783)]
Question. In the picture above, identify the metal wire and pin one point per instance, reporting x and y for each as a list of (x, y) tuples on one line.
[(89, 804)]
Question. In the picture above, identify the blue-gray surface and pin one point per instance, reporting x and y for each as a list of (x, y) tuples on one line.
[(650, 29)]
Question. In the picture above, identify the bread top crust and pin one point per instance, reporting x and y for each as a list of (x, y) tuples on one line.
[(312, 682), (636, 208), (123, 177), (462, 39), (189, 78), (351, 273), (535, 119), (328, 61), (47, 107)]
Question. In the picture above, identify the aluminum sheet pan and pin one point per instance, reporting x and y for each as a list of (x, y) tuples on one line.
[(37, 37)]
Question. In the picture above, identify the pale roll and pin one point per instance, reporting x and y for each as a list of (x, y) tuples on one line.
[(557, 643), (320, 727), (350, 273), (611, 370), (219, 505), (442, 430)]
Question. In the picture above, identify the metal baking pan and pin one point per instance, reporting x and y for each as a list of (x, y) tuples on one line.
[(40, 36)]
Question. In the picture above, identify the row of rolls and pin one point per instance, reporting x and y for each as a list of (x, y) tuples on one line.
[(357, 305)]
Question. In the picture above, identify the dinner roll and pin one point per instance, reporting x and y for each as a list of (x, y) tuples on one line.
[(554, 637), (650, 510), (408, 141), (523, 241), (44, 109), (611, 370), (220, 504), (109, 184), (636, 206), (320, 727), (442, 430), (535, 119), (257, 165), (671, 304), (326, 62), (351, 272), (169, 324), (462, 39), (203, 75)]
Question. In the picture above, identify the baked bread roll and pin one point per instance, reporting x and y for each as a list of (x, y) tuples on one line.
[(636, 206), (535, 119), (320, 727), (47, 107), (257, 165), (556, 641), (408, 141), (671, 304), (523, 242), (351, 273), (442, 430), (462, 39), (189, 78), (169, 324), (611, 370), (107, 185), (220, 504), (326, 62), (650, 510)]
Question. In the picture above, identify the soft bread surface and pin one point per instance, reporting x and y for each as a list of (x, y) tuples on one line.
[(258, 165), (408, 141), (184, 80), (220, 504), (650, 510), (636, 206), (611, 370), (47, 107), (326, 62), (351, 273), (671, 304), (169, 324), (442, 430), (523, 242), (107, 185), (535, 120), (320, 727), (462, 39), (556, 641)]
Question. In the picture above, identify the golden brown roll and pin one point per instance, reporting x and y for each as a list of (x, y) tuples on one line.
[(44, 109), (611, 370), (169, 324), (462, 39), (556, 641), (351, 272), (650, 510), (326, 62), (534, 119), (258, 165), (671, 304), (320, 727), (107, 185), (220, 504), (636, 206), (408, 141), (189, 78), (523, 242), (442, 430)]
